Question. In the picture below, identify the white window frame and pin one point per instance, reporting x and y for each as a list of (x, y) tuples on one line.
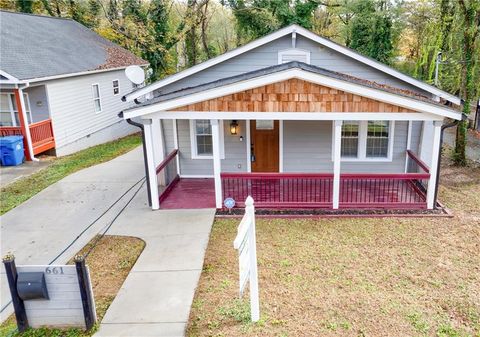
[(193, 141), (118, 87), (293, 51), (10, 98), (362, 144), (99, 98)]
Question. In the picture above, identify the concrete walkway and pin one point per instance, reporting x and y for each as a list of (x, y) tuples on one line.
[(156, 297), (9, 174), (38, 230)]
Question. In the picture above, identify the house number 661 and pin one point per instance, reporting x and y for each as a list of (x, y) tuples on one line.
[(54, 270)]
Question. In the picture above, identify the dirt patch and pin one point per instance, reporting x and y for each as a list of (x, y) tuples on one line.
[(352, 277), (109, 263)]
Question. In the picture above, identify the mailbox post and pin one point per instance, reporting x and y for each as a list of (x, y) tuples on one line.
[(18, 305)]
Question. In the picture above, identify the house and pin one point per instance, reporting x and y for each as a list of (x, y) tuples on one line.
[(296, 121), (60, 84)]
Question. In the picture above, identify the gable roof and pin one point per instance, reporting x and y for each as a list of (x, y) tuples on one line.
[(294, 29), (277, 73), (36, 46)]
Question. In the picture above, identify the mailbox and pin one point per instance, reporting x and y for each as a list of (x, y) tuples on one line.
[(32, 285)]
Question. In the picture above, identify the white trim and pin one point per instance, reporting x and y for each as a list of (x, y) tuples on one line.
[(10, 79), (118, 87), (434, 162), (175, 144), (301, 116), (99, 98), (152, 174), (249, 146), (296, 52), (216, 126), (27, 128), (193, 141), (362, 144), (373, 93), (409, 143), (280, 146), (308, 34), (81, 73), (337, 150)]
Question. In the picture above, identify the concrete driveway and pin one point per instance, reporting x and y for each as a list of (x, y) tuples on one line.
[(38, 230)]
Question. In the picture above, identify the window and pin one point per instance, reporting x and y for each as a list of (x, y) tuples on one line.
[(97, 104), (116, 87), (265, 124), (9, 111), (366, 141), (293, 54), (201, 139), (350, 132), (377, 139)]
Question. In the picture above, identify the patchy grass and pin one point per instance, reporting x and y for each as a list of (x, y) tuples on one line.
[(352, 277), (23, 189), (109, 263)]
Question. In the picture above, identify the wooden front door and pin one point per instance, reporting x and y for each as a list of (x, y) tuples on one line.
[(265, 146)]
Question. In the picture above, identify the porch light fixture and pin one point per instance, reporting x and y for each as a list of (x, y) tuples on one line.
[(233, 127)]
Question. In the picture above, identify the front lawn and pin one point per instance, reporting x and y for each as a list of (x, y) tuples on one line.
[(23, 189), (352, 277)]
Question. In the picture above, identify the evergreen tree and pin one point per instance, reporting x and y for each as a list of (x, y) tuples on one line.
[(25, 6)]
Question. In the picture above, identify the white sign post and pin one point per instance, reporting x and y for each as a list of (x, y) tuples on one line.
[(245, 243)]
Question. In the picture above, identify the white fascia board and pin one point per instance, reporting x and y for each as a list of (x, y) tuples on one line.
[(353, 88), (10, 79), (55, 77), (378, 65), (306, 33), (294, 116)]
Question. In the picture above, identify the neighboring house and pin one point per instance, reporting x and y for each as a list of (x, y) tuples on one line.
[(296, 121), (60, 84)]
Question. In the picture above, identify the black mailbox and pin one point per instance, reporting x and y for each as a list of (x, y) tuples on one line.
[(32, 286)]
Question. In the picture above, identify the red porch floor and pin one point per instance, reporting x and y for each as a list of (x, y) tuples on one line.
[(200, 193), (191, 194)]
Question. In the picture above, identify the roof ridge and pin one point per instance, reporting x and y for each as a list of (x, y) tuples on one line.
[(37, 15)]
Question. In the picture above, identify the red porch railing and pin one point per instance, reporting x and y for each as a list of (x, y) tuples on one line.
[(167, 175), (40, 132), (392, 191), (42, 136), (280, 190)]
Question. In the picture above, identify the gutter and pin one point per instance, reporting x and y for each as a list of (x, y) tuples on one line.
[(140, 125), (437, 180)]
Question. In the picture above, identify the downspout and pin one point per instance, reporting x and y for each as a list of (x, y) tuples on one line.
[(25, 118), (140, 125), (437, 179)]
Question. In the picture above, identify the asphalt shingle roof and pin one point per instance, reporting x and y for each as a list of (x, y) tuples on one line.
[(33, 46), (278, 68)]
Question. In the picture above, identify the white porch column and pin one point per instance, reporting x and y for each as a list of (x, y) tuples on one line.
[(337, 147), (437, 130), (158, 147), (216, 162), (152, 174)]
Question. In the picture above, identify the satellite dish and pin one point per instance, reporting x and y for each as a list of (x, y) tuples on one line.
[(135, 74)]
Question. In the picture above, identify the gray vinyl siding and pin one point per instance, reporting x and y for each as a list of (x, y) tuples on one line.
[(235, 150), (307, 147), (267, 55), (72, 110), (37, 97), (416, 136)]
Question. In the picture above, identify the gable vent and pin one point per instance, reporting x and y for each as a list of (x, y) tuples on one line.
[(290, 55)]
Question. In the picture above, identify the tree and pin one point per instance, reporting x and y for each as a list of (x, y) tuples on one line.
[(371, 31), (471, 18), (25, 6)]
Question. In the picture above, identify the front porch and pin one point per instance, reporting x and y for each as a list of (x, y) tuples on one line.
[(297, 190), (32, 121)]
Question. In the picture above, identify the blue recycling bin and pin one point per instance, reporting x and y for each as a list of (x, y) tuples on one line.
[(11, 150)]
